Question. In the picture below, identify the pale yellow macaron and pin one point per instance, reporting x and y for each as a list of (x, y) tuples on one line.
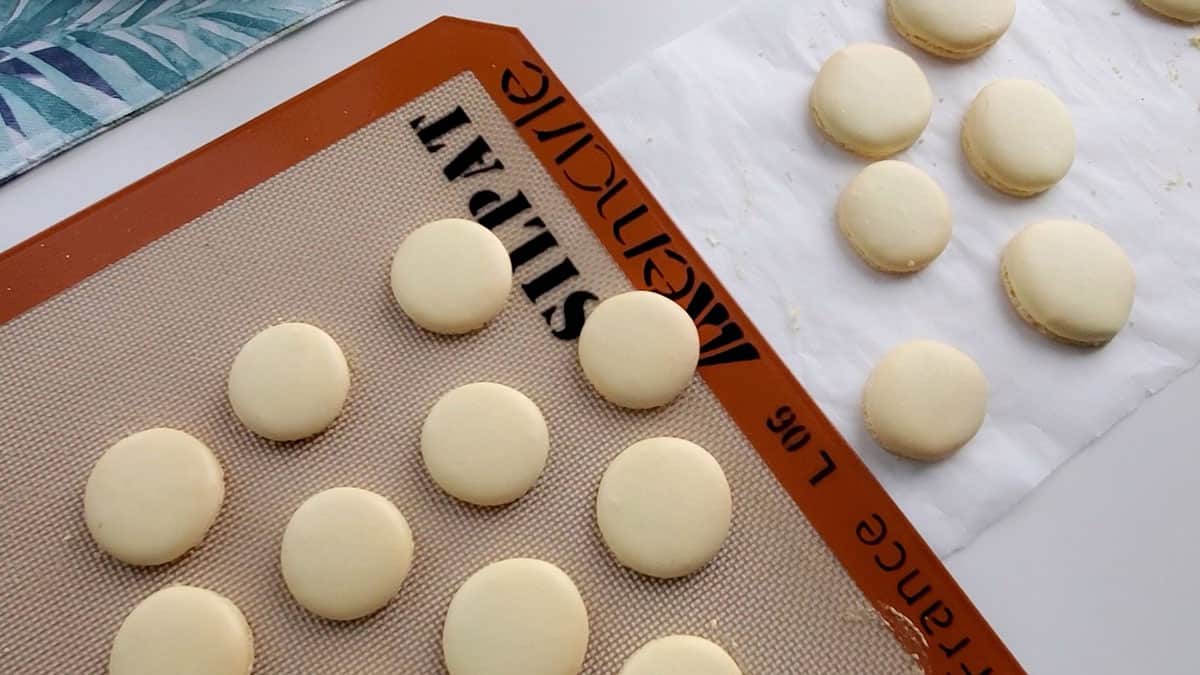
[(895, 217), (952, 29), (1187, 11), (153, 496), (871, 99), (183, 629), (680, 655), (519, 616), (925, 400), (1069, 280), (1018, 137), (345, 553)]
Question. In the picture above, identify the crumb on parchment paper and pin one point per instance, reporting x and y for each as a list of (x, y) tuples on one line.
[(1177, 182)]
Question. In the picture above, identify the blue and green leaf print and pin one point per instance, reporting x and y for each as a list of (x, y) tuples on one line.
[(71, 68)]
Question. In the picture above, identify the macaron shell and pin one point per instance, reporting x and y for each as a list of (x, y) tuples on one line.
[(871, 100), (1018, 137), (895, 216), (953, 29), (1187, 11), (925, 400), (1070, 281)]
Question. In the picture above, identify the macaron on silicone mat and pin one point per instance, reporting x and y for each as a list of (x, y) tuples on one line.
[(128, 315)]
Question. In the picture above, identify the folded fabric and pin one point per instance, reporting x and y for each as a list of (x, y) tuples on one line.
[(71, 68)]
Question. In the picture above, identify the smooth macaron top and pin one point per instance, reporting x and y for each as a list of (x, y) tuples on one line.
[(1070, 280), (1187, 11), (895, 216), (952, 28), (1019, 137), (925, 400), (871, 99)]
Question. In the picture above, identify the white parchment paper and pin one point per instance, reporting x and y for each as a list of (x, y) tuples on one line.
[(717, 125)]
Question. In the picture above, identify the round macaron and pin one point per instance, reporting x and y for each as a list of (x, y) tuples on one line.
[(871, 99), (895, 217), (680, 655), (183, 629), (451, 276), (519, 616), (1018, 137), (1069, 280), (485, 443), (345, 553), (290, 381), (1187, 11), (925, 400), (664, 507), (952, 29), (639, 349)]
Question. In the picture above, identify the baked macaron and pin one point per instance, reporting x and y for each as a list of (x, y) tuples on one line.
[(895, 217), (925, 400), (1187, 11), (952, 29), (871, 99), (1018, 137), (1069, 280)]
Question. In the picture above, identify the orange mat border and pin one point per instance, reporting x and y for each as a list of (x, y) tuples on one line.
[(894, 567)]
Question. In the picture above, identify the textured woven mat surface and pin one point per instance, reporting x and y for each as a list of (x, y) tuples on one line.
[(148, 341)]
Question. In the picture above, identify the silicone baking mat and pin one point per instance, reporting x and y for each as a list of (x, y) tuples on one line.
[(128, 315)]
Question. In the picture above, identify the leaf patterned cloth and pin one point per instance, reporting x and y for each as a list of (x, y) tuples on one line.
[(71, 68)]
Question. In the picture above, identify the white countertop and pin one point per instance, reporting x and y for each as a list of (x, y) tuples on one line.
[(1092, 574)]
